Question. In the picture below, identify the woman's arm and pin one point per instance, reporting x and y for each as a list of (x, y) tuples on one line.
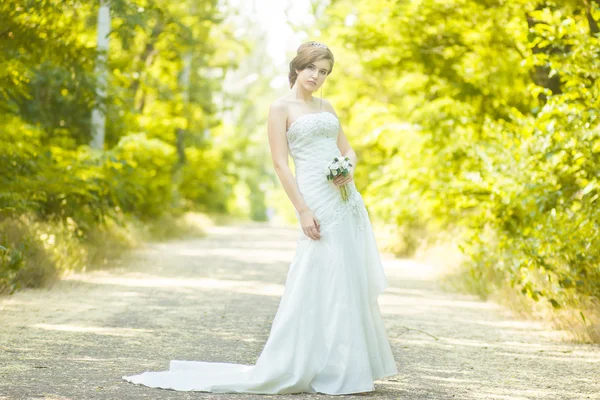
[(346, 149), (277, 126), (343, 144)]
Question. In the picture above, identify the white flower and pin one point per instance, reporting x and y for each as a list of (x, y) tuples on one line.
[(334, 172)]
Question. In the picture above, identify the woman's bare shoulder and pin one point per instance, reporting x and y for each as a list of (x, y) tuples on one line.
[(280, 105)]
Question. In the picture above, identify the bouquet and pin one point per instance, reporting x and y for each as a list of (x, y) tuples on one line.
[(339, 167)]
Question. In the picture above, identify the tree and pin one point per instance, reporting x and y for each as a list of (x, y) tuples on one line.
[(101, 71)]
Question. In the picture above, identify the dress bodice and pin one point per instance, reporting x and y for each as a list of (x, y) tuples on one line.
[(312, 143), (312, 137)]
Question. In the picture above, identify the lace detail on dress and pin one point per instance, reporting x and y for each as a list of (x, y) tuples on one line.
[(312, 141), (355, 204), (324, 127)]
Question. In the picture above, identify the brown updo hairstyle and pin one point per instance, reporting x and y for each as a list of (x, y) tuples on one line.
[(308, 53)]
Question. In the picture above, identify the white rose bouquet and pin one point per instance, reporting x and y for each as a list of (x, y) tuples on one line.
[(339, 167)]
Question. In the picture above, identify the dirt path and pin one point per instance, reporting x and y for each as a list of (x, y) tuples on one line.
[(214, 299)]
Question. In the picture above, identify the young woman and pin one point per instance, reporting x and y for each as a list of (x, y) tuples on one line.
[(328, 335)]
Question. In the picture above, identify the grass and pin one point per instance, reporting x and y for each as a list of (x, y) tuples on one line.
[(578, 318), (35, 253)]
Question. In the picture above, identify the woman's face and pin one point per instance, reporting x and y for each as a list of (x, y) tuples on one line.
[(313, 76)]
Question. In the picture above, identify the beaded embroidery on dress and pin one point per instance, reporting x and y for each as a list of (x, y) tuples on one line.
[(328, 335)]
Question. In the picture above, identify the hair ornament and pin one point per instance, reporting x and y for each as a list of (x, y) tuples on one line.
[(317, 44)]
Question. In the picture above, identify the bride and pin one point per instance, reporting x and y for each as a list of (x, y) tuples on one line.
[(328, 335)]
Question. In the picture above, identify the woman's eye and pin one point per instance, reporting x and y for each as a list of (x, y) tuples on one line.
[(323, 72)]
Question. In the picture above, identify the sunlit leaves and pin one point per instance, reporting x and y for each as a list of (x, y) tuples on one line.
[(47, 92), (504, 96)]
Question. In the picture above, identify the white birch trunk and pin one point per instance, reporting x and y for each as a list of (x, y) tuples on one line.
[(101, 71), (184, 82)]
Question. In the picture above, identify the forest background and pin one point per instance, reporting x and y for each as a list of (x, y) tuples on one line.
[(475, 123)]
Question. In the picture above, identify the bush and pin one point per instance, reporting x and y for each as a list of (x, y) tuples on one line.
[(63, 210)]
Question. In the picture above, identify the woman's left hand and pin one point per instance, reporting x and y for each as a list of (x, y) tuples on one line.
[(342, 180)]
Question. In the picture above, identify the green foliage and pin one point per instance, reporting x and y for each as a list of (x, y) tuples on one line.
[(49, 180), (34, 251), (204, 182), (480, 115), (159, 159), (11, 262), (140, 170)]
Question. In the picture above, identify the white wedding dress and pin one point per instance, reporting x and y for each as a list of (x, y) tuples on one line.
[(328, 335)]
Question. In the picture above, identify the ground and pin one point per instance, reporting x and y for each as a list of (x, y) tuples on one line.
[(214, 298)]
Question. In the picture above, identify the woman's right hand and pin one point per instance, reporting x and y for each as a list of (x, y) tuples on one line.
[(310, 225)]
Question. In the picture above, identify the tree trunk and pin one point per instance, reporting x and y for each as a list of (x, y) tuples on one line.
[(148, 56), (184, 82), (541, 75), (588, 12), (101, 72)]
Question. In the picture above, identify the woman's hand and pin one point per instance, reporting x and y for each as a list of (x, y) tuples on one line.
[(310, 225), (342, 180)]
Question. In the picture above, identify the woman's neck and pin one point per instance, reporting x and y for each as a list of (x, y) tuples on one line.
[(302, 95)]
